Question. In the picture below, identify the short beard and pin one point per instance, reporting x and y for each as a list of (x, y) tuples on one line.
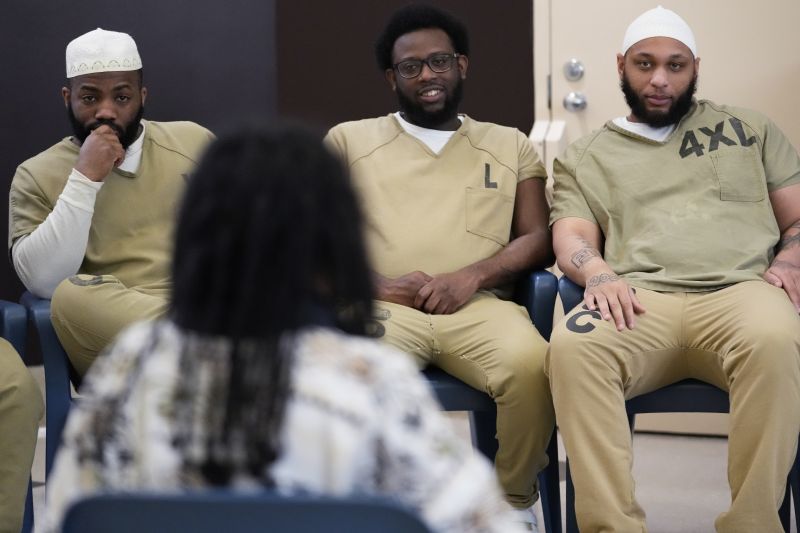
[(127, 135), (676, 112), (416, 114)]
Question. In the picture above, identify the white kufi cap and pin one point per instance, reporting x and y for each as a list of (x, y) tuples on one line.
[(659, 22), (102, 51)]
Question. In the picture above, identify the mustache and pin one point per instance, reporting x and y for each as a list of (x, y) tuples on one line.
[(107, 122)]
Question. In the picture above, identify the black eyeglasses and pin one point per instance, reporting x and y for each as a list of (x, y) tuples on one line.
[(411, 68)]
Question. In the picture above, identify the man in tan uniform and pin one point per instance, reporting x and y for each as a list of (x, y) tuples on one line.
[(455, 211), (91, 217), (21, 408), (682, 220)]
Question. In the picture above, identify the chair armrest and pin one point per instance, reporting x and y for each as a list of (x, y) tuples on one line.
[(537, 291), (571, 293), (56, 373), (53, 355), (13, 325)]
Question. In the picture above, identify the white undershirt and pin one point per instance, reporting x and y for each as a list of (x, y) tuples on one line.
[(55, 249), (433, 139), (645, 130)]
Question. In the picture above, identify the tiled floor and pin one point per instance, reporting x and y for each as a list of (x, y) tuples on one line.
[(680, 481)]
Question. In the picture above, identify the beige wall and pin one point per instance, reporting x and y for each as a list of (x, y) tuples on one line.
[(749, 51)]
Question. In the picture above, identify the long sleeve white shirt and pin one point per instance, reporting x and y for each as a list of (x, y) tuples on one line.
[(54, 251)]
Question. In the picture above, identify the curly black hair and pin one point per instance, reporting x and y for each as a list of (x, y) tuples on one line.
[(269, 241), (417, 17)]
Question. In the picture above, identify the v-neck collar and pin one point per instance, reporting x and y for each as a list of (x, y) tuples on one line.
[(458, 132)]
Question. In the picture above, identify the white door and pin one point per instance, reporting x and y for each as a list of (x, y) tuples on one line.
[(749, 57)]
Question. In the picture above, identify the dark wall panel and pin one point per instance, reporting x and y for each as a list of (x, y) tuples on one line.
[(210, 62), (220, 62), (328, 74)]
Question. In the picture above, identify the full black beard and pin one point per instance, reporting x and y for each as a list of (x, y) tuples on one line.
[(415, 114), (677, 110), (126, 135)]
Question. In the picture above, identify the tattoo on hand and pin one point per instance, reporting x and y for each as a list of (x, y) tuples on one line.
[(583, 256), (594, 281), (787, 242)]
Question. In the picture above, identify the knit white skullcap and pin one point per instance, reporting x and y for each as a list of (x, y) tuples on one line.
[(659, 22), (102, 51)]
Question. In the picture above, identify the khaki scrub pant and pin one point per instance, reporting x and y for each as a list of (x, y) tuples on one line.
[(21, 408), (491, 345), (89, 311), (744, 339)]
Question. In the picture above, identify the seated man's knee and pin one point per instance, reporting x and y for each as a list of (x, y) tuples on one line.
[(520, 365), (17, 386), (566, 352), (71, 294), (524, 344), (772, 342)]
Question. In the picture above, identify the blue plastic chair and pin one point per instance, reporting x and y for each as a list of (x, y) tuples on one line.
[(685, 396), (57, 374), (212, 512), (537, 292), (13, 328)]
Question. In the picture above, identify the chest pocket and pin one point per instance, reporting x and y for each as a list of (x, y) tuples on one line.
[(740, 175), (489, 214)]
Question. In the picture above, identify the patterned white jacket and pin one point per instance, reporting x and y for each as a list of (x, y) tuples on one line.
[(359, 419)]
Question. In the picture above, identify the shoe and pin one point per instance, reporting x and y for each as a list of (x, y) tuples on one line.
[(528, 518)]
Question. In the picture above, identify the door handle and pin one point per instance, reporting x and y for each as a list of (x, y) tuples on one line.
[(575, 101)]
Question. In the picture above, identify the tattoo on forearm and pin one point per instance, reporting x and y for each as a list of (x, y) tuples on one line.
[(789, 242), (583, 256), (594, 281)]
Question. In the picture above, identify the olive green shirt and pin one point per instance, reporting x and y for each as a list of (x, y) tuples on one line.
[(435, 212), (134, 214), (691, 213)]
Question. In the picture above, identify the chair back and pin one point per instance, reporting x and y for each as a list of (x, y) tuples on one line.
[(13, 325), (570, 292), (537, 293), (226, 511), (57, 374)]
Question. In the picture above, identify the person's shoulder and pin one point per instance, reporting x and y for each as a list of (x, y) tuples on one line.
[(359, 357), (52, 159), (184, 137), (506, 144), (123, 360), (386, 124), (576, 150), (357, 139), (177, 127), (488, 133), (367, 131), (751, 117)]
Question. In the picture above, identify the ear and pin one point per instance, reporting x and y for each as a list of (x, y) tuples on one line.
[(65, 93), (696, 66), (463, 64), (144, 94), (620, 65), (390, 77)]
